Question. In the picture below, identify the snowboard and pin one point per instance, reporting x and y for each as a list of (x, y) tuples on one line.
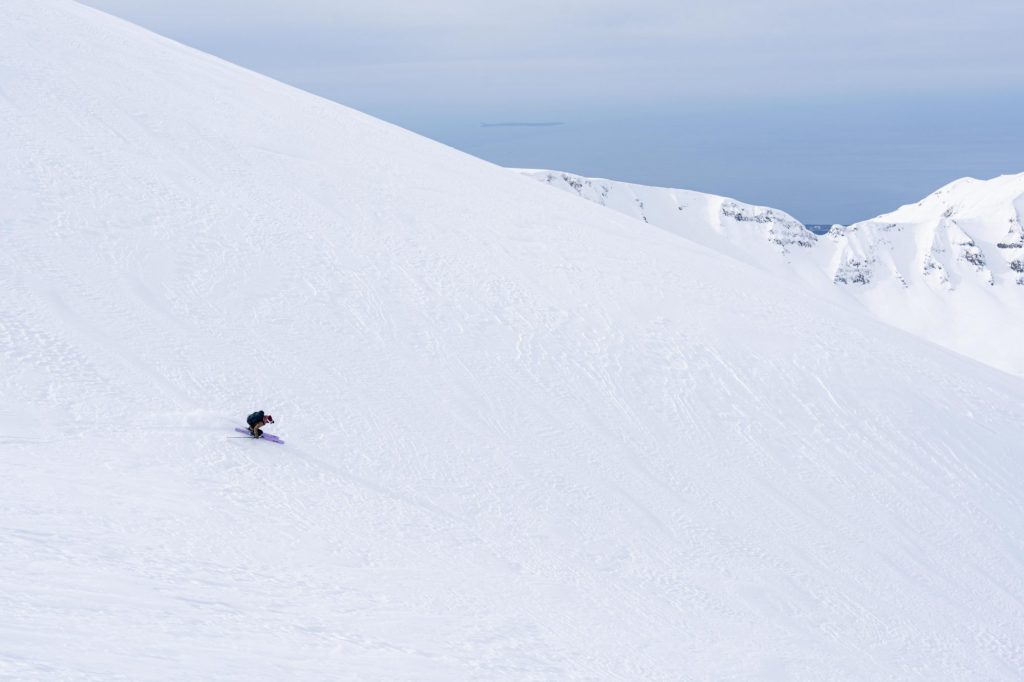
[(266, 436)]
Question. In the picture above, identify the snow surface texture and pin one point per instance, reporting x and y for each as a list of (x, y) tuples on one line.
[(949, 268), (527, 437)]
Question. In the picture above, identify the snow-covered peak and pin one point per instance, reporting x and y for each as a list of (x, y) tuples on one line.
[(949, 268), (966, 198), (966, 233)]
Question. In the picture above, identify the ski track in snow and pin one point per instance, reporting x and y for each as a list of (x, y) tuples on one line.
[(526, 437)]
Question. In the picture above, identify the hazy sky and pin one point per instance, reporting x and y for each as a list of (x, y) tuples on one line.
[(834, 110)]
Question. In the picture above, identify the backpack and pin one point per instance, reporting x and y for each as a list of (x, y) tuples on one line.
[(254, 418)]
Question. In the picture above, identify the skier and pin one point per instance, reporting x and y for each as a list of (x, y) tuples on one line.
[(256, 421)]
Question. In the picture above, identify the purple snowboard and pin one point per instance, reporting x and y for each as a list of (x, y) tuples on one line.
[(266, 436)]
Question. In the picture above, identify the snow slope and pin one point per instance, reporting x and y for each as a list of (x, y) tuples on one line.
[(949, 268), (527, 438)]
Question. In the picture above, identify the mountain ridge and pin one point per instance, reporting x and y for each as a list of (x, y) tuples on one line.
[(917, 268)]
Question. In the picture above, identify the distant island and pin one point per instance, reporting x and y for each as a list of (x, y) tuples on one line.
[(523, 124)]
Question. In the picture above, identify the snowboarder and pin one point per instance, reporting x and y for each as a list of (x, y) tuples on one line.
[(256, 421)]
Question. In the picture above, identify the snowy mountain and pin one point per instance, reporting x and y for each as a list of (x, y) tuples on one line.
[(526, 437), (757, 235), (966, 234), (948, 269)]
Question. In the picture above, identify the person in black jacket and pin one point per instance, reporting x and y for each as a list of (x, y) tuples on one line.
[(256, 422)]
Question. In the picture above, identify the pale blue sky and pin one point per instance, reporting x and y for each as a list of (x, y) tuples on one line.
[(832, 110)]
